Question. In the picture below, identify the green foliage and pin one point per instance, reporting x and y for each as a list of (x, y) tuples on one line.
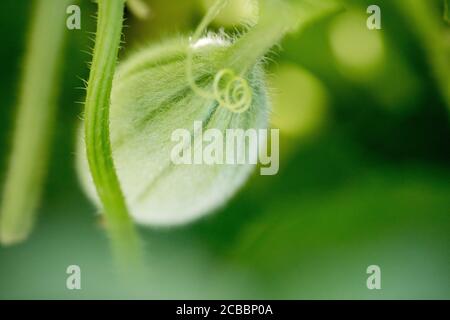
[(97, 134), (369, 186), (151, 99), (34, 124)]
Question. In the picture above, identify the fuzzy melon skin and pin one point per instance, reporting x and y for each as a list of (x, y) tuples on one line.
[(151, 98)]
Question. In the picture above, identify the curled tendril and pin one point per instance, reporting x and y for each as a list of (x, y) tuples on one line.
[(231, 91)]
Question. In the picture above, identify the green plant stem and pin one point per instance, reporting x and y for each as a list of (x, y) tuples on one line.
[(277, 18), (429, 29), (255, 44), (121, 230), (34, 122)]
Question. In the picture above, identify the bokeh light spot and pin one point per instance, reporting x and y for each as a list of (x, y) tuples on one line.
[(300, 101)]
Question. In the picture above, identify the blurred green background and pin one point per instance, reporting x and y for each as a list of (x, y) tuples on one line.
[(364, 176)]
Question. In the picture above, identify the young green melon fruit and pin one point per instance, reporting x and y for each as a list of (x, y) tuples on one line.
[(152, 96)]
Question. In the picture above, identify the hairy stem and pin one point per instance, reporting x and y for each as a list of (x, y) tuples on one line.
[(34, 122), (121, 230), (277, 18)]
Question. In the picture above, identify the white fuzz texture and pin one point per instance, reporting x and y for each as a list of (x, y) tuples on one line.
[(151, 98)]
